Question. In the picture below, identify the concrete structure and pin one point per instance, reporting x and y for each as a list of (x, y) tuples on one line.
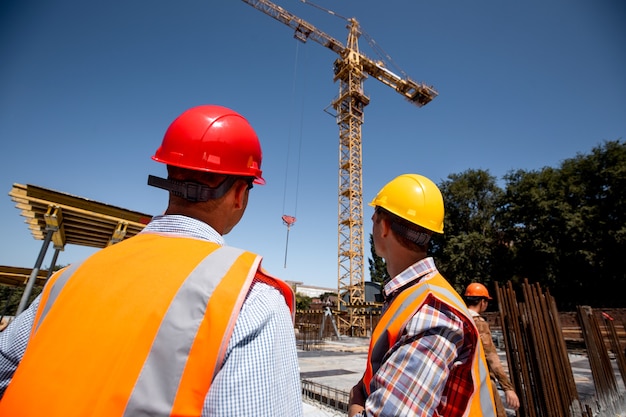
[(312, 290), (341, 364)]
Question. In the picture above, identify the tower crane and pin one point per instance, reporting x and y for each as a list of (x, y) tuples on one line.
[(351, 68)]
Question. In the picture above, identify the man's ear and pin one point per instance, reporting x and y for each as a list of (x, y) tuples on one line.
[(385, 227), (240, 188)]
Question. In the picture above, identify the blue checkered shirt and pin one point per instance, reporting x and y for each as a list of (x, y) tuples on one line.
[(260, 374)]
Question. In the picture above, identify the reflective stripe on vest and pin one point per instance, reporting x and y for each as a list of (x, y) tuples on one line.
[(392, 323), (159, 352)]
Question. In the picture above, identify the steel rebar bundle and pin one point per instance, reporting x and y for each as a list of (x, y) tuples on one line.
[(536, 353)]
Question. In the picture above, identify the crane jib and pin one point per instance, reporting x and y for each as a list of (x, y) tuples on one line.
[(351, 68)]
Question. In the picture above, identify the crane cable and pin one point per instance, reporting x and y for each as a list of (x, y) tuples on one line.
[(325, 10), (287, 219)]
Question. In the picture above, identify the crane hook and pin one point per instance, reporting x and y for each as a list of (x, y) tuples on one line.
[(288, 221)]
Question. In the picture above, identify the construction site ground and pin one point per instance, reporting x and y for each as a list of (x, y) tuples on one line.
[(338, 365)]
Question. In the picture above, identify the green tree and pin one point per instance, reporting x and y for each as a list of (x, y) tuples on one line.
[(303, 302), (465, 252), (378, 266), (567, 226), (327, 296), (532, 220), (10, 296), (561, 227)]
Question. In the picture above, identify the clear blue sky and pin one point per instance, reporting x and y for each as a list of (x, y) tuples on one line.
[(87, 90)]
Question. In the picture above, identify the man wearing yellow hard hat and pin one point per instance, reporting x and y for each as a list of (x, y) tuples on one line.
[(425, 356)]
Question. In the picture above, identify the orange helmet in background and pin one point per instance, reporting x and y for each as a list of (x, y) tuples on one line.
[(213, 139), (476, 289)]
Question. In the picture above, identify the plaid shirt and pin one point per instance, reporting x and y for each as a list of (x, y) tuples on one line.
[(260, 375), (415, 377)]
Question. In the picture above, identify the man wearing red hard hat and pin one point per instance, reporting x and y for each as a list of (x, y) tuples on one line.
[(170, 322)]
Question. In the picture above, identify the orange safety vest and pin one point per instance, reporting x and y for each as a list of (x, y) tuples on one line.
[(139, 328), (392, 323)]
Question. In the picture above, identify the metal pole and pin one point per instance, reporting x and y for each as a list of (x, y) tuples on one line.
[(34, 273), (53, 264)]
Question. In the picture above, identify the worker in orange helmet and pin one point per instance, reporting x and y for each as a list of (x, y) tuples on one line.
[(170, 322), (477, 299), (425, 358)]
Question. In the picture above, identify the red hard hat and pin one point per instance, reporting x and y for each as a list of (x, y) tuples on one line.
[(214, 139), (477, 290)]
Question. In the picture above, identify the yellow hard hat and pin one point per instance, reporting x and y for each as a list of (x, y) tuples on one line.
[(414, 198)]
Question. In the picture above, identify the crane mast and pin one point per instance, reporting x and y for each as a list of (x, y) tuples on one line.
[(349, 107), (351, 68)]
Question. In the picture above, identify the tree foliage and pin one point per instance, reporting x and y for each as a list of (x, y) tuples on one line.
[(303, 302), (464, 251), (567, 226), (378, 267), (10, 296), (561, 227)]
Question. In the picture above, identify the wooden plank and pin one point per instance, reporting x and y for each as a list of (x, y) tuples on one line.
[(85, 222), (83, 204), (17, 277)]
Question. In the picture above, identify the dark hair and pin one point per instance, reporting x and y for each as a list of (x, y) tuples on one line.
[(184, 174), (188, 186), (410, 235), (472, 300)]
